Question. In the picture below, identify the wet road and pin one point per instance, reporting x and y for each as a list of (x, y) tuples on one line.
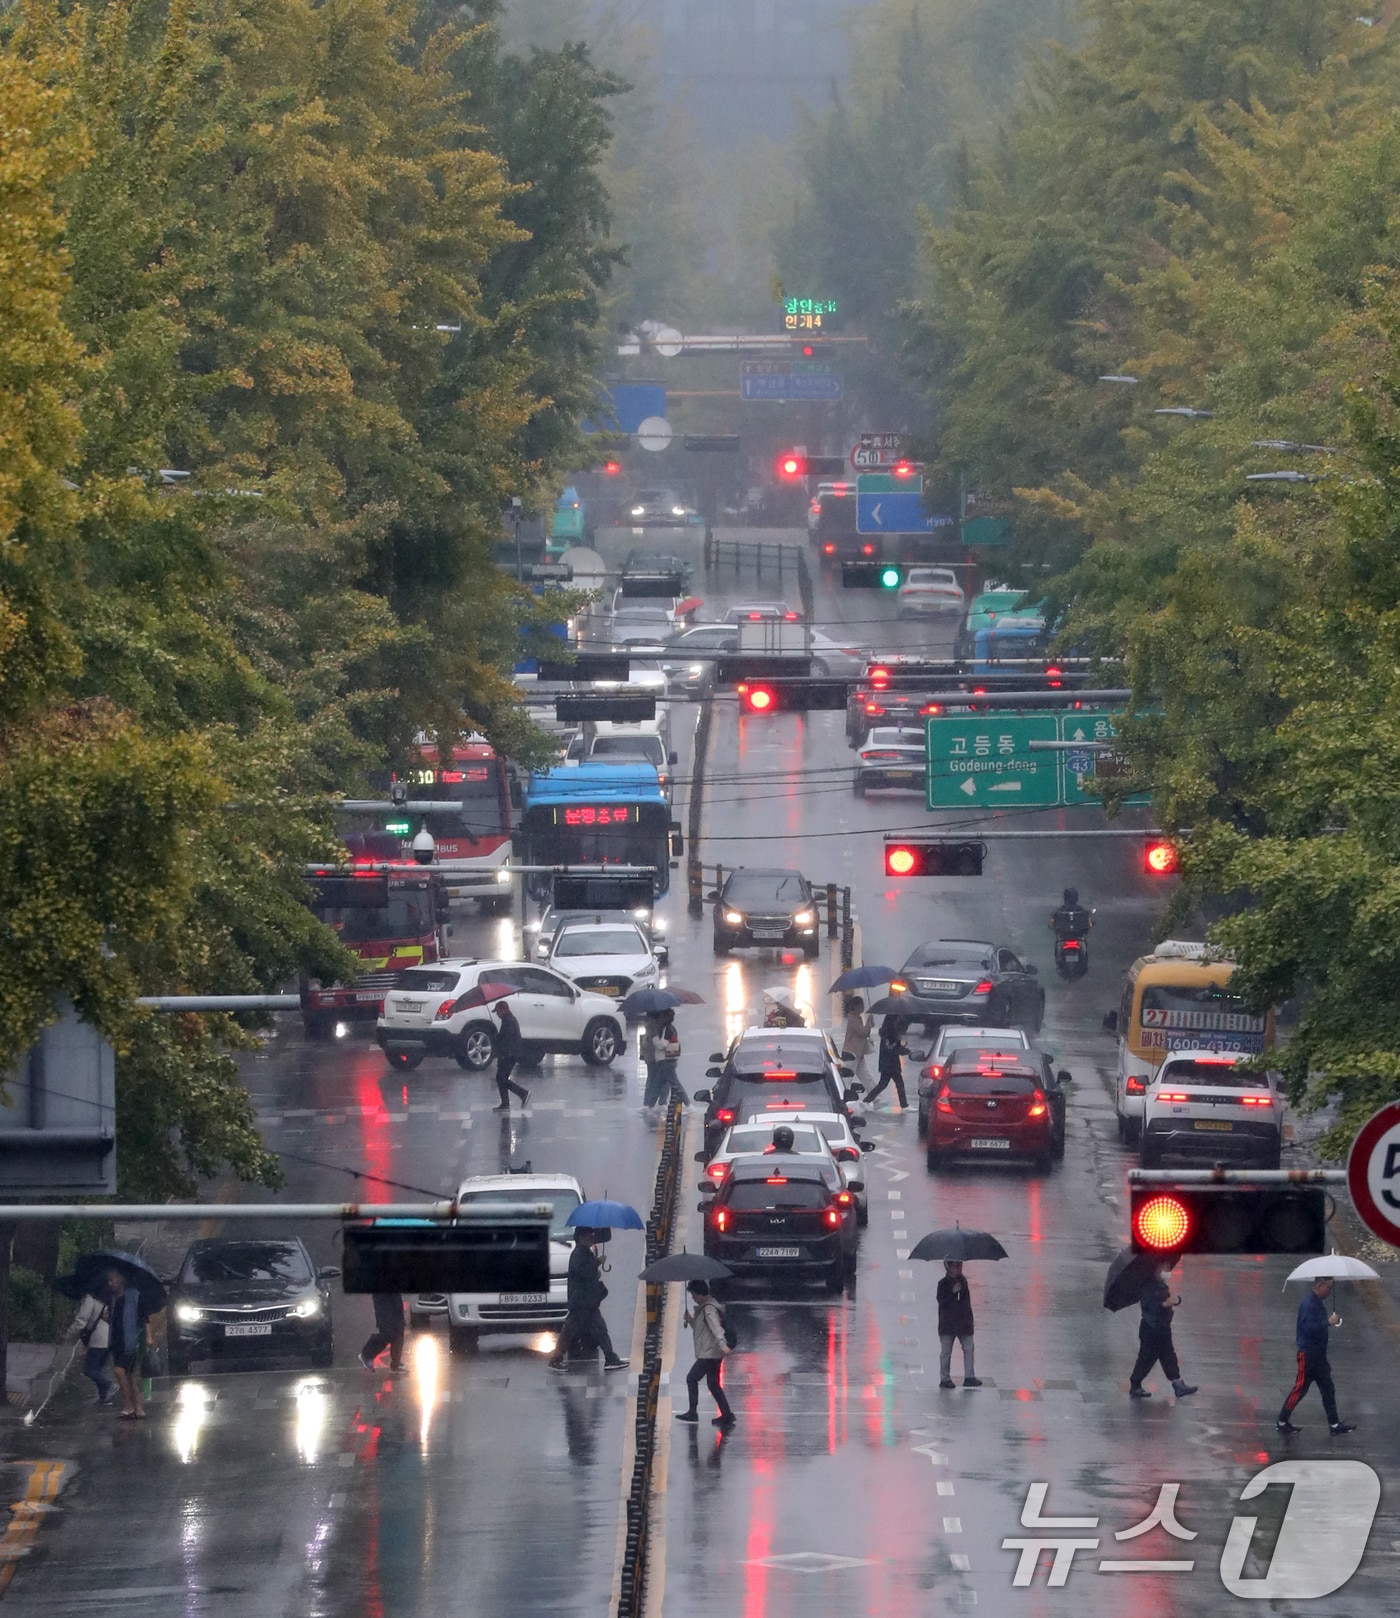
[(852, 1483)]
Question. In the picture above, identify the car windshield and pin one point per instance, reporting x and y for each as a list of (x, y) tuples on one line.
[(960, 1039), (759, 1137), (931, 575), (600, 941), (248, 1261), (1220, 1075), (559, 1200), (427, 980), (786, 1194), (969, 956), (641, 615), (1001, 1083), (405, 916), (759, 887), (647, 747)]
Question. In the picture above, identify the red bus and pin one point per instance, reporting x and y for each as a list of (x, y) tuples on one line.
[(479, 832)]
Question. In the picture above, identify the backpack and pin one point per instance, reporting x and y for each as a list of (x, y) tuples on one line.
[(731, 1337)]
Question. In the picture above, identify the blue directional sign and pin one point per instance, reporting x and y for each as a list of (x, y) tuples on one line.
[(783, 380), (901, 513)]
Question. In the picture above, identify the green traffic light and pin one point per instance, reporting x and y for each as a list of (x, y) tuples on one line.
[(889, 578)]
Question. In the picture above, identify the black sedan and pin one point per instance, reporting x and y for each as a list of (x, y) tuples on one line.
[(780, 1217), (968, 981), (772, 909), (234, 1297)]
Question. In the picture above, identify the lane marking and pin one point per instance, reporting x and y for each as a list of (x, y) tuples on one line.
[(46, 1479)]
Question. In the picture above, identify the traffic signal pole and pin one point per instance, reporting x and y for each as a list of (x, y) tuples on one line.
[(1245, 1177)]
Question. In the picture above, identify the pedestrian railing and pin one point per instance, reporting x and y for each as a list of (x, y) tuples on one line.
[(772, 557), (659, 1230)]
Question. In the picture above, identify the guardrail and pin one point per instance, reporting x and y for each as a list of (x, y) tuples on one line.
[(780, 560), (660, 1225), (694, 871)]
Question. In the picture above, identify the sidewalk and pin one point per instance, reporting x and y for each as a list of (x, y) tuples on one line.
[(28, 1363)]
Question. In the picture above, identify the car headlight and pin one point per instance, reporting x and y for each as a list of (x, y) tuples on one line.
[(678, 511), (306, 1308), (187, 1314), (697, 668), (503, 875), (734, 918), (639, 511), (805, 918)]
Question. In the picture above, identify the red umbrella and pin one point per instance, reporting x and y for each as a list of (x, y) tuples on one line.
[(483, 994), (689, 605)]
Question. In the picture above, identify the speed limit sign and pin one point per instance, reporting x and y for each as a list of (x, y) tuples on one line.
[(1373, 1173)]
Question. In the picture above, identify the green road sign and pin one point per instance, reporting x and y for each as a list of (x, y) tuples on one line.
[(1079, 769), (888, 483), (984, 760)]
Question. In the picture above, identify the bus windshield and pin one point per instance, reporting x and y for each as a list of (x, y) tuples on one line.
[(478, 787), (405, 916), (1176, 1016)]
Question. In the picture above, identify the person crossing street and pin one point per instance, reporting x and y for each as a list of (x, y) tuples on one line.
[(1314, 1325), (1155, 1336), (892, 1050), (508, 1047)]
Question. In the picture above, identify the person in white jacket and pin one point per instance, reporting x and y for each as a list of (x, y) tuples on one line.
[(706, 1321), (90, 1326)]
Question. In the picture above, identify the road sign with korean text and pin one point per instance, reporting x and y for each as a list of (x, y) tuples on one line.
[(984, 761)]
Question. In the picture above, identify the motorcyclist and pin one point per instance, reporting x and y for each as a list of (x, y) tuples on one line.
[(1071, 920)]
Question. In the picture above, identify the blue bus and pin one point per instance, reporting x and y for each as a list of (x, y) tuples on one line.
[(598, 814), (1015, 638)]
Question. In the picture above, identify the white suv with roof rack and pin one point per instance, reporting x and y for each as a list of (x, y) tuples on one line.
[(1203, 1108)]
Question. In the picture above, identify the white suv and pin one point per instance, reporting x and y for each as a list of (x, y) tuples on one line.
[(1200, 1108), (422, 1016)]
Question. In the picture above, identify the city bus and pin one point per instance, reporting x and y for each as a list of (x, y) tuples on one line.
[(1176, 999), (598, 814), (480, 833)]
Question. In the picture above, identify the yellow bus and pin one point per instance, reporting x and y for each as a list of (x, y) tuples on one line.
[(1176, 999)]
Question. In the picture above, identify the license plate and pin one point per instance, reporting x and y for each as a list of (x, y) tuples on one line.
[(609, 989), (404, 1005), (899, 775), (523, 1297), (251, 1328), (937, 986), (766, 933), (369, 994), (1212, 1123), (777, 1252), (990, 1145)]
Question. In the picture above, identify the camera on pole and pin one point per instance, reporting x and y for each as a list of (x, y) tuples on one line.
[(424, 847)]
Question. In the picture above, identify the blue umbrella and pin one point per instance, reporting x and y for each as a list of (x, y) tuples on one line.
[(863, 977), (643, 1002), (604, 1215)]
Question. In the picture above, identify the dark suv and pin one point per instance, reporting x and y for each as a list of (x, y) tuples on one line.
[(770, 1071), (763, 1221), (769, 909), (966, 980)]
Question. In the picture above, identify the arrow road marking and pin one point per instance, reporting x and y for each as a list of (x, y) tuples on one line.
[(936, 1456)]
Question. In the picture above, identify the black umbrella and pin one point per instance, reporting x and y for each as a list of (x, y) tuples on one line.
[(685, 1266), (1128, 1274), (91, 1270), (891, 1005), (863, 977), (957, 1245)]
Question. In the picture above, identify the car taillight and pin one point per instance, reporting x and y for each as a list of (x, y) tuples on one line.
[(725, 1115), (1257, 1101), (828, 549), (934, 1070), (943, 1104), (721, 1218), (844, 1198), (1172, 1095), (444, 1011), (1135, 1087), (984, 987), (777, 1179), (898, 986), (1037, 1109), (717, 1171), (833, 1218)]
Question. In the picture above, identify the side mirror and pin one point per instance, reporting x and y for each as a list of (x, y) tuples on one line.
[(855, 1185), (1110, 1022), (708, 1187), (867, 1146), (713, 896), (662, 954), (1064, 1076), (677, 844), (858, 1122), (702, 1207), (700, 1095), (1034, 971), (448, 929), (716, 1056), (517, 797), (713, 1073), (673, 758), (848, 1056), (699, 1157), (328, 1272), (846, 1072)]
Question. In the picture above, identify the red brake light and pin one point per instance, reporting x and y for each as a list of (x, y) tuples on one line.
[(717, 1171), (898, 986), (828, 549), (932, 707), (777, 1179), (943, 1104), (1038, 1104), (444, 1011), (984, 987), (725, 1115), (1135, 1086), (790, 617), (833, 1217), (844, 1198), (721, 1218), (1257, 1101), (780, 1072), (1172, 1095)]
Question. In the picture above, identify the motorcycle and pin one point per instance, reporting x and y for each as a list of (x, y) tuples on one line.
[(1072, 946)]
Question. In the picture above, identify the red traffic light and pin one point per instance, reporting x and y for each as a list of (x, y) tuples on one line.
[(904, 469), (611, 468), (792, 465), (1161, 857), (930, 858), (807, 351), (901, 861), (1161, 1224), (758, 698)]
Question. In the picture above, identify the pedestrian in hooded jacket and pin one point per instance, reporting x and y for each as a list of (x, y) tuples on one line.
[(706, 1321)]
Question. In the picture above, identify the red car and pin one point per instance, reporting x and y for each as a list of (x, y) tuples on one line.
[(994, 1110)]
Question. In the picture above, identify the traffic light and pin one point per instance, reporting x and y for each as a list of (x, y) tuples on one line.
[(904, 469), (792, 465), (611, 468), (871, 575), (1161, 857), (1228, 1219), (792, 696), (907, 858)]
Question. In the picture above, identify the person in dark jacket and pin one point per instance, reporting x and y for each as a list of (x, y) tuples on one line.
[(584, 1330), (1314, 1325), (129, 1339), (508, 1043), (955, 1320), (387, 1333), (1155, 1335), (892, 1048)]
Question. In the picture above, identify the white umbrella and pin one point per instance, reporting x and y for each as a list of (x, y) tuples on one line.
[(1333, 1267)]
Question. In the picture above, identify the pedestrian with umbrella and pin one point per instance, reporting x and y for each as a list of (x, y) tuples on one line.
[(954, 1296), (892, 1050), (508, 1047), (710, 1334), (584, 1330), (1155, 1333), (667, 1047), (855, 1037), (129, 1318), (1311, 1334)]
